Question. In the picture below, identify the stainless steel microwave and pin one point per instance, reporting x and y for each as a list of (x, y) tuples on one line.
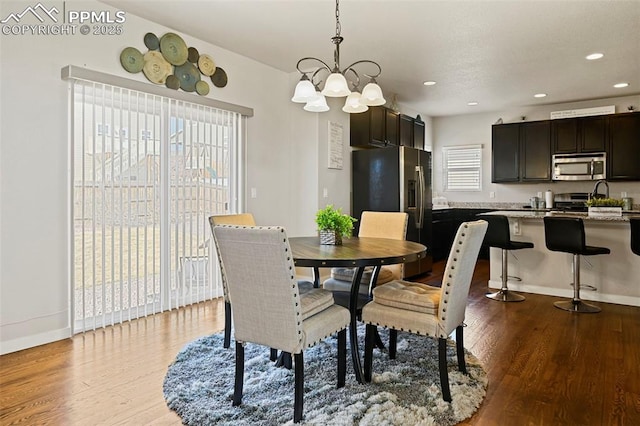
[(592, 166)]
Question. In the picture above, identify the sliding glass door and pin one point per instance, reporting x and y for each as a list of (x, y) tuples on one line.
[(148, 171)]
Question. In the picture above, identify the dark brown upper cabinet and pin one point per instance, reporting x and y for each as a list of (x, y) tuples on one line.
[(505, 153), (418, 134), (406, 130), (583, 134), (623, 154), (376, 127), (535, 146), (521, 152)]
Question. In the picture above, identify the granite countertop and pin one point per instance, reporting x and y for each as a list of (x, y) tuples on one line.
[(510, 206), (539, 214), (520, 207)]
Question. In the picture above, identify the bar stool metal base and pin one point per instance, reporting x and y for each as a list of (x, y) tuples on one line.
[(505, 295), (576, 306)]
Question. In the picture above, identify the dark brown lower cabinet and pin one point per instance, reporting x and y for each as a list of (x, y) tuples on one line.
[(445, 224)]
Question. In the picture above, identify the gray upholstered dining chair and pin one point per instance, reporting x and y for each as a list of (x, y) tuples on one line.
[(392, 225), (426, 310), (267, 307), (245, 219)]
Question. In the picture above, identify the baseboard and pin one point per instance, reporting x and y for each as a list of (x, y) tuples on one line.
[(594, 296), (34, 340)]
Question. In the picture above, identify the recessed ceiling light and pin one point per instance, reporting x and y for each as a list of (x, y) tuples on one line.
[(594, 56), (429, 83), (472, 103), (540, 95), (620, 85)]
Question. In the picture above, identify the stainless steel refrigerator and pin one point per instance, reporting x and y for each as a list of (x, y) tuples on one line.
[(396, 179)]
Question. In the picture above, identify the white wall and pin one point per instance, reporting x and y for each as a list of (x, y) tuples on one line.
[(476, 129), (34, 224)]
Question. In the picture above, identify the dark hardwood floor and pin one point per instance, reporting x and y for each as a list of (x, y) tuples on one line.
[(545, 366)]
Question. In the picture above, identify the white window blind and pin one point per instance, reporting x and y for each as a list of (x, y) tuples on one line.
[(148, 171), (462, 166)]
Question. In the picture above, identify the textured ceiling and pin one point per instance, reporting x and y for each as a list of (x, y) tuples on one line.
[(498, 53)]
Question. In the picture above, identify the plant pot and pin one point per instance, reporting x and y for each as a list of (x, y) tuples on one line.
[(332, 238), (605, 211)]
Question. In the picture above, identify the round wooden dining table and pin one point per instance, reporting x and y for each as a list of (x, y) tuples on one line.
[(356, 253)]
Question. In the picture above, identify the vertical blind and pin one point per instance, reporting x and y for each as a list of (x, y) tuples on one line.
[(148, 171), (462, 166)]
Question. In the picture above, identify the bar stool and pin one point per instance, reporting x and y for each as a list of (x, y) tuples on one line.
[(566, 234), (635, 234), (498, 235)]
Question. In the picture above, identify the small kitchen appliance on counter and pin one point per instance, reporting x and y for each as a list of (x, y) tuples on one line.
[(571, 201)]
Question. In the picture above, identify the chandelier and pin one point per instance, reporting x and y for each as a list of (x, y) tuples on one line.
[(336, 85)]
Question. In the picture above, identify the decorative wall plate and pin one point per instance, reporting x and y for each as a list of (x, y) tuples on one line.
[(202, 88), (131, 59), (156, 68), (193, 55), (219, 78), (188, 75), (151, 41), (172, 82), (207, 65), (174, 49)]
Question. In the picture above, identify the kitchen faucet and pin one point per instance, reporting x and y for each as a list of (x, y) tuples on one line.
[(595, 188)]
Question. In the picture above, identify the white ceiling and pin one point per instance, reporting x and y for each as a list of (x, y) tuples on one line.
[(498, 53)]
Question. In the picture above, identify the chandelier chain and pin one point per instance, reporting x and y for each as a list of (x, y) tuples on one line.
[(338, 27)]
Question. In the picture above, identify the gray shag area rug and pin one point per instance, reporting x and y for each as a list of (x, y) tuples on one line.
[(404, 391)]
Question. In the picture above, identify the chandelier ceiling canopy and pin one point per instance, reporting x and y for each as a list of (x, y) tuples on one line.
[(339, 82)]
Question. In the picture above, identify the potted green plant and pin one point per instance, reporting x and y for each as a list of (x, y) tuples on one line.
[(333, 225), (605, 206)]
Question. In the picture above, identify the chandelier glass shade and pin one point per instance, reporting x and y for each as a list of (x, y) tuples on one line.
[(337, 84), (317, 105)]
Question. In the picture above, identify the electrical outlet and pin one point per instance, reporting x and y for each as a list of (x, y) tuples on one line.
[(325, 193), (516, 227), (254, 193), (492, 194)]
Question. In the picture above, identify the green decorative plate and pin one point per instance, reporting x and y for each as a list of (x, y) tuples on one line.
[(131, 60), (202, 88), (151, 41), (188, 75), (174, 49)]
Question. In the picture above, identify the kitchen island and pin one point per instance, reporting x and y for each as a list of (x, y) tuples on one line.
[(616, 276)]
